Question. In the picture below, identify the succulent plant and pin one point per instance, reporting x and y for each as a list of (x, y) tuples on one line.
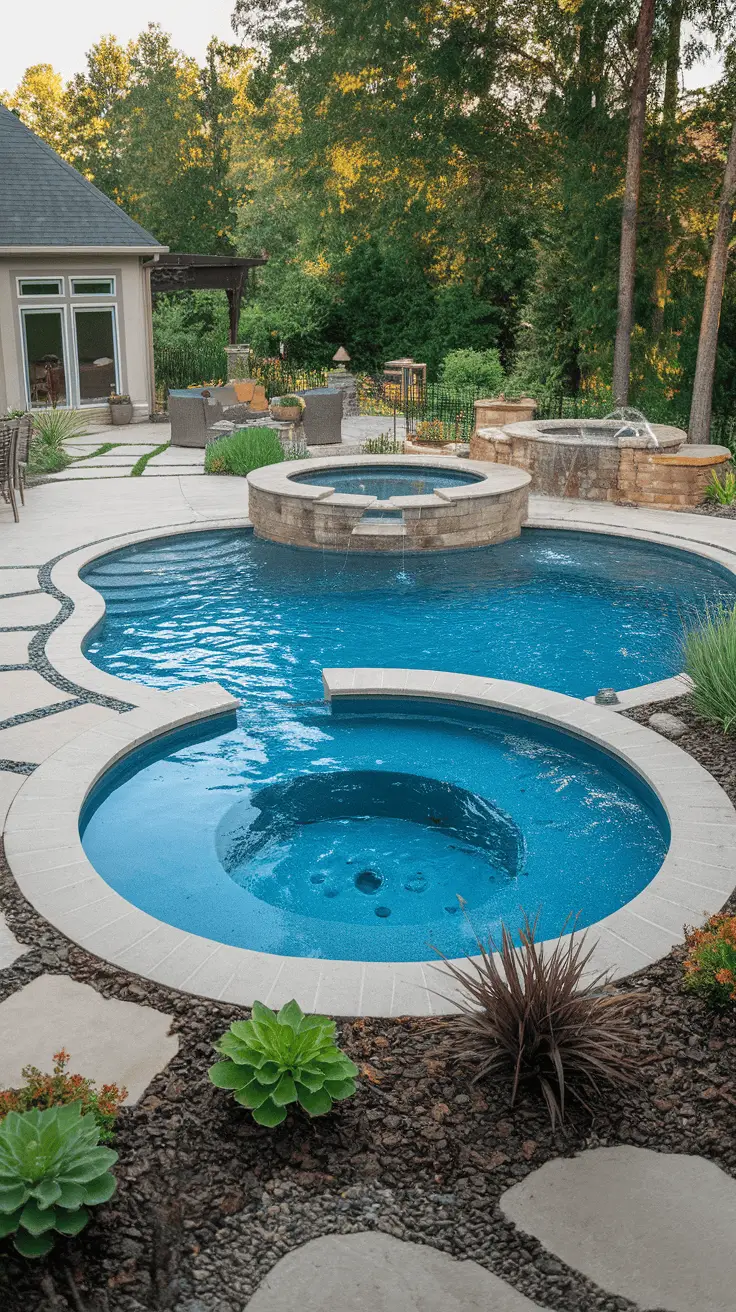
[(274, 1060), (51, 1169)]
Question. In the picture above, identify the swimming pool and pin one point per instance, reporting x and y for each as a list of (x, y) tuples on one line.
[(399, 812)]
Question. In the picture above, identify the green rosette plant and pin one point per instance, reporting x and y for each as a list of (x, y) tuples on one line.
[(275, 1060), (52, 1168)]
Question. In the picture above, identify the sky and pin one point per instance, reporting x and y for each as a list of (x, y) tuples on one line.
[(49, 32)]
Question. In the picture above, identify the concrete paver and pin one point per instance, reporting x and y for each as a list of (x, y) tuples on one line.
[(19, 612), (37, 739), (17, 580), (14, 648), (9, 785), (24, 690), (373, 1272), (656, 1228), (109, 1041)]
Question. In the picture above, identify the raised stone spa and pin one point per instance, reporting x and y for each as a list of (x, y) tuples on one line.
[(388, 503), (622, 458)]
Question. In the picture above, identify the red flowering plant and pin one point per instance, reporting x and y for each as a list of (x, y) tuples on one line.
[(710, 966), (41, 1091)]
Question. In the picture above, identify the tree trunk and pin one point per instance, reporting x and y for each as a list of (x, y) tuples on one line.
[(627, 260), (669, 128), (705, 367)]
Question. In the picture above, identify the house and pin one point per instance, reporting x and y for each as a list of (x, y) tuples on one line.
[(75, 286)]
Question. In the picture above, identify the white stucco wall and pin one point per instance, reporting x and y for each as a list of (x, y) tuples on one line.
[(133, 321)]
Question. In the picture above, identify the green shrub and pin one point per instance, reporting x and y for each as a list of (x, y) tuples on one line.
[(51, 1169), (242, 451), (709, 657), (274, 1060), (51, 429), (290, 401), (382, 445), (722, 492), (481, 370), (710, 967), (41, 1091)]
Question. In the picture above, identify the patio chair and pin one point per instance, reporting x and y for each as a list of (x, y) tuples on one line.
[(8, 444), (191, 417), (22, 452), (322, 418)]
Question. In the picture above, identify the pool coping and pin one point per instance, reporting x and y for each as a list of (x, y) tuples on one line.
[(46, 857)]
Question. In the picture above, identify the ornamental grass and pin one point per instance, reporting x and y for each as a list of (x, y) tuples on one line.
[(528, 1017), (242, 451), (709, 653), (710, 965)]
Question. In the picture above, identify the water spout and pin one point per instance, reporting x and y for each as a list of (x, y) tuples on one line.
[(633, 424)]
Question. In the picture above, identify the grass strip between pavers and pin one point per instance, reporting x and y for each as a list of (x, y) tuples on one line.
[(140, 465), (101, 451)]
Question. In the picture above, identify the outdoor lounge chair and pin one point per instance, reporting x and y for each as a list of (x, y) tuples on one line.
[(322, 417)]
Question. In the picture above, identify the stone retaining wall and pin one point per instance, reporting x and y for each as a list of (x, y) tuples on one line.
[(305, 515), (642, 476)]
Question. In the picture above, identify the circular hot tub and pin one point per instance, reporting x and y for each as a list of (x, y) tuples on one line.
[(388, 503)]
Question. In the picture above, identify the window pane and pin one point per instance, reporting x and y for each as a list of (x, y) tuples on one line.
[(95, 354), (40, 287), (45, 358), (92, 286)]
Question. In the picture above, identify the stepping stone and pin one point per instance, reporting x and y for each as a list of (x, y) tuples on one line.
[(10, 948), (108, 1041), (657, 1228), (372, 1272)]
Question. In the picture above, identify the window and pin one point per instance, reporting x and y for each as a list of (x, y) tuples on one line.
[(43, 344), (40, 286), (97, 354), (93, 286)]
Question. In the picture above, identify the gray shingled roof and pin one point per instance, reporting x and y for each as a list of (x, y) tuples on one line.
[(45, 202)]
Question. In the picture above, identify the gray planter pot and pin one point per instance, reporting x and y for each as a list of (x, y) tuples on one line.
[(121, 414)]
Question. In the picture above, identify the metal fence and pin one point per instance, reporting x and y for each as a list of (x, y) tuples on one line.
[(450, 413)]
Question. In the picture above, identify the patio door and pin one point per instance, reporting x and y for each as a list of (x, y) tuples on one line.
[(45, 357), (96, 350)]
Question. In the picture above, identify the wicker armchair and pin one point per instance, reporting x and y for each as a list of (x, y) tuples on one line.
[(322, 418), (8, 445)]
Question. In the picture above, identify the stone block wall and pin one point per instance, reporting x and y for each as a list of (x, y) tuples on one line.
[(646, 477)]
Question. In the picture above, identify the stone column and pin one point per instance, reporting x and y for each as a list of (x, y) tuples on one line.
[(345, 383), (238, 361)]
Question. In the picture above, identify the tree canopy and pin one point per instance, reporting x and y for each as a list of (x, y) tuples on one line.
[(424, 177)]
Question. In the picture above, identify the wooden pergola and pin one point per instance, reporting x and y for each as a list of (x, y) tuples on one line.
[(228, 273)]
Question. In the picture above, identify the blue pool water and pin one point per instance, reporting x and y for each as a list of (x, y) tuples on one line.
[(352, 833), (384, 483)]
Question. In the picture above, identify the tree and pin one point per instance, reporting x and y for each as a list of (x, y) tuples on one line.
[(629, 217), (39, 102), (700, 410)]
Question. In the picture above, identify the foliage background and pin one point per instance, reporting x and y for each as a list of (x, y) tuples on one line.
[(423, 177)]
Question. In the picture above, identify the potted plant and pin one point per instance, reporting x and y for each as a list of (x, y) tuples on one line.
[(287, 409), (121, 408)]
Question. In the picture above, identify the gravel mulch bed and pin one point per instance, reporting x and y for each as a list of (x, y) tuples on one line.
[(208, 1201)]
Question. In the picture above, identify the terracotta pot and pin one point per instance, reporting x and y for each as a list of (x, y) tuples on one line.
[(286, 414)]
